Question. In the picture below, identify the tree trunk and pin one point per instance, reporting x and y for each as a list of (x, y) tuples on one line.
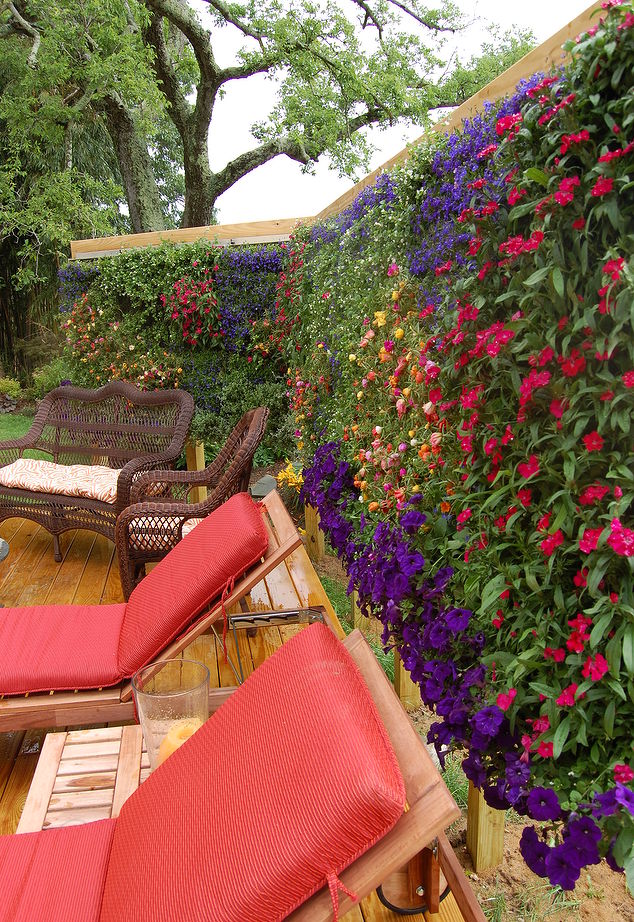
[(136, 169), (200, 194)]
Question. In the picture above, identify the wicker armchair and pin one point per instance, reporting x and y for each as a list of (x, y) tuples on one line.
[(116, 426), (160, 513)]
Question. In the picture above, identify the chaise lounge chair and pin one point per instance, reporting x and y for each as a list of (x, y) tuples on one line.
[(301, 794), (160, 510), (71, 664)]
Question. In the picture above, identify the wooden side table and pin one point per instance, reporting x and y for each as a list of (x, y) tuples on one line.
[(84, 775)]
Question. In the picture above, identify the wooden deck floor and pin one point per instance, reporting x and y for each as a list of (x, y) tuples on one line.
[(89, 574)]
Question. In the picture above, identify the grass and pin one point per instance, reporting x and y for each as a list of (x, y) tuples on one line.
[(14, 425)]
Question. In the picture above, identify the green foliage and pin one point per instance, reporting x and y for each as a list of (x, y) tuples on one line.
[(10, 388), (49, 376)]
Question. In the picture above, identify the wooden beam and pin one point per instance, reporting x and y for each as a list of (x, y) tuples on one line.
[(223, 234), (546, 56), (315, 542), (195, 455)]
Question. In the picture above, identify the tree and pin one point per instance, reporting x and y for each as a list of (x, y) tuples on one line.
[(148, 73)]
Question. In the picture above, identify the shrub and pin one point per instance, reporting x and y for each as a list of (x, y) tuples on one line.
[(9, 387)]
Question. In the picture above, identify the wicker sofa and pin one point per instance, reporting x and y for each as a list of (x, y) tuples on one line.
[(99, 442)]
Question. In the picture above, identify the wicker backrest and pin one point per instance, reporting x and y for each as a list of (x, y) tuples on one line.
[(111, 425), (235, 459)]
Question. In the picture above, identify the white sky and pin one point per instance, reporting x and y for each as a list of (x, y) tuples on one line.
[(279, 189)]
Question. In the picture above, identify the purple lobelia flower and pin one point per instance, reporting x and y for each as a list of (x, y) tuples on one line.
[(543, 804)]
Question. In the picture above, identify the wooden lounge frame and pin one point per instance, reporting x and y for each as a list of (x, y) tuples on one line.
[(430, 806), (106, 705)]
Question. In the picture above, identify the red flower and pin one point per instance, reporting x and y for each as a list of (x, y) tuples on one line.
[(621, 539), (573, 365), (551, 542), (567, 697), (558, 655), (579, 223), (590, 539), (593, 494), (593, 441), (595, 667), (557, 408), (505, 699), (515, 195), (486, 151), (528, 468), (545, 750), (628, 379), (525, 497), (602, 186), (623, 773), (544, 522)]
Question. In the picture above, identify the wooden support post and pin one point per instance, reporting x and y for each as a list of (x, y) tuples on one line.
[(315, 543), (195, 455), (407, 690), (485, 832), (371, 627)]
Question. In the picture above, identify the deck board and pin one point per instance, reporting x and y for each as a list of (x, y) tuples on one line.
[(89, 574)]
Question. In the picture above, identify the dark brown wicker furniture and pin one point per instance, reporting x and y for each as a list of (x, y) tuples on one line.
[(153, 523), (117, 426)]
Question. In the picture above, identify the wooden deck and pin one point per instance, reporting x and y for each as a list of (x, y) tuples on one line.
[(89, 574)]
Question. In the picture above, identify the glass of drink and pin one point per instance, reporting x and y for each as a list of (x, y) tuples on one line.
[(172, 702)]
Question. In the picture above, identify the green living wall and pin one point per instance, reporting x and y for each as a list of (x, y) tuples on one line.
[(462, 399), (209, 319)]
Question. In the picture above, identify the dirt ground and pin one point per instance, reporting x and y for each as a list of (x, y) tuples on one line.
[(511, 892)]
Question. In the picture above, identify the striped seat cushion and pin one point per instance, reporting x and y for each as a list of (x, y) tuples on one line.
[(55, 875), (91, 481), (285, 785)]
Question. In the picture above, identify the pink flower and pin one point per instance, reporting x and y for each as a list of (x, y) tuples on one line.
[(551, 542), (557, 408), (621, 539), (558, 654), (525, 497), (590, 539), (486, 151), (464, 516), (602, 186), (595, 667), (623, 773), (515, 195), (567, 697), (528, 468), (544, 522), (505, 699), (545, 750), (392, 269), (593, 441), (628, 379)]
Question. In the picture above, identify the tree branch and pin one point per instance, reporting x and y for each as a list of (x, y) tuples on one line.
[(429, 24), (228, 16), (180, 110), (22, 25)]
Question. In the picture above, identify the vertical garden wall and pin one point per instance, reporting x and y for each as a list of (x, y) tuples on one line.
[(463, 400), (210, 319)]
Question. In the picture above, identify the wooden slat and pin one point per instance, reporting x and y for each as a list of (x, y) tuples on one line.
[(91, 586), (85, 782), (485, 831), (80, 800), (37, 801), (18, 783), (128, 768), (250, 232)]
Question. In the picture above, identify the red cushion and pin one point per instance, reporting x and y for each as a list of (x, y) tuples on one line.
[(222, 547), (59, 646), (286, 784), (56, 875)]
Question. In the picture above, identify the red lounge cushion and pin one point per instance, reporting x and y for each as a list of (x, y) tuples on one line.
[(285, 785), (59, 646), (222, 547), (56, 875)]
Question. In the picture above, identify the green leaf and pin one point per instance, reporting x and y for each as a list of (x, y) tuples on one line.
[(628, 649), (536, 277), (537, 176), (491, 592), (608, 718), (561, 735), (599, 629), (558, 281)]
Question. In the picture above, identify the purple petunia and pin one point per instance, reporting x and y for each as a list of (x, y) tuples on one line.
[(458, 618), (563, 865), (412, 520), (534, 851), (583, 834), (488, 720), (543, 804)]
